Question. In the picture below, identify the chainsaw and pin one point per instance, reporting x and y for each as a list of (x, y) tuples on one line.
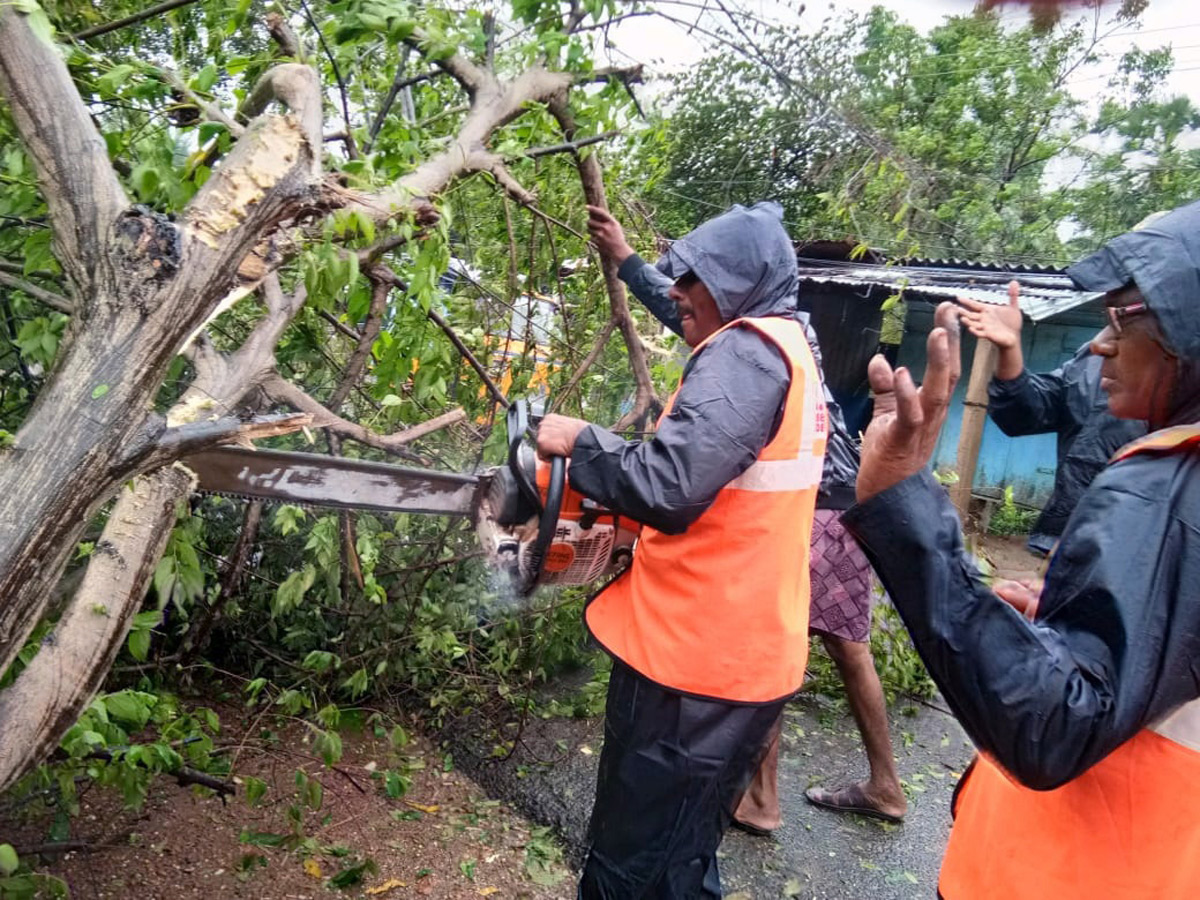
[(531, 524)]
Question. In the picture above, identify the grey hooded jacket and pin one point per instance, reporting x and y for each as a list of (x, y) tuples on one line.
[(841, 451), (1116, 643), (731, 395)]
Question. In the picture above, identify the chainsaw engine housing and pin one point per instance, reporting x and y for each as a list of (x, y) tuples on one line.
[(589, 541)]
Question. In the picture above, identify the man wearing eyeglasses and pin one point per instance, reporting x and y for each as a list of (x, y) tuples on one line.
[(1068, 402), (1087, 718)]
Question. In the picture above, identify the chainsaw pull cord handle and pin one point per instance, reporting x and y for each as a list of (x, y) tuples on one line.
[(548, 521)]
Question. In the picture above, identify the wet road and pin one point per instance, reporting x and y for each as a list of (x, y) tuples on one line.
[(816, 854)]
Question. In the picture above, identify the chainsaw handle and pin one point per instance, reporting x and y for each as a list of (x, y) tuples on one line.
[(547, 522), (517, 423)]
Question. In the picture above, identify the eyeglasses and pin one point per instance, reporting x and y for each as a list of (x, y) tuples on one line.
[(1117, 314)]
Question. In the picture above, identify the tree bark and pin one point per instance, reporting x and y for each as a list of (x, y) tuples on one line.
[(75, 657)]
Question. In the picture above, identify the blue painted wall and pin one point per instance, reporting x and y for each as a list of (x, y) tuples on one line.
[(1026, 463)]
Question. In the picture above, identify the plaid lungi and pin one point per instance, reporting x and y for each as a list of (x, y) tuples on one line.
[(842, 580)]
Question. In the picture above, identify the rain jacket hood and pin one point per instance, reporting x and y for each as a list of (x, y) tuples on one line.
[(1163, 260), (745, 259)]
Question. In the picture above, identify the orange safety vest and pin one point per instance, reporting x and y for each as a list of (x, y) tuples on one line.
[(1126, 829), (721, 611)]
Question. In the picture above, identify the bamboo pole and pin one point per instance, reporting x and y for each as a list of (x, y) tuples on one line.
[(974, 416)]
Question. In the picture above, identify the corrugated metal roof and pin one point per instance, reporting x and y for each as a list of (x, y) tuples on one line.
[(1045, 292)]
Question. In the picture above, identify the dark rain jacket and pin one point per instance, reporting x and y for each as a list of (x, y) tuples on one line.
[(731, 396), (1116, 643), (1068, 402), (840, 468)]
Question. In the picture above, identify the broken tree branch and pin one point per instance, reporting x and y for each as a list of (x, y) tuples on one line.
[(340, 326), (117, 24), (231, 578), (582, 368), (282, 391), (211, 111), (463, 350), (47, 697), (181, 440), (569, 146), (281, 32), (43, 296), (646, 401), (297, 87), (351, 150), (399, 83), (380, 288)]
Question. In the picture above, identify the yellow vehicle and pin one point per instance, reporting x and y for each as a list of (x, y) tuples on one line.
[(528, 339)]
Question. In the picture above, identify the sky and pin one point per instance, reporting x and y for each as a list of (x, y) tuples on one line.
[(664, 46)]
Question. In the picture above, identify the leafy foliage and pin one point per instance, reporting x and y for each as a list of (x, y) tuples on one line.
[(963, 143), (1010, 518)]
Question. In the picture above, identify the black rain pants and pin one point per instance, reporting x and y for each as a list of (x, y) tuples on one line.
[(672, 771)]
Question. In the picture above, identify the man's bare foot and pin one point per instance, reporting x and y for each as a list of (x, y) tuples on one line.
[(855, 798)]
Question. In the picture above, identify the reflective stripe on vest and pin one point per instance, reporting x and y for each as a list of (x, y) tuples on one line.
[(722, 610), (1126, 829), (1165, 440)]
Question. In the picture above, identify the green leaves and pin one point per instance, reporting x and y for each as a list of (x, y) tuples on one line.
[(38, 339), (9, 862), (328, 745), (130, 708), (290, 594), (179, 577), (140, 634)]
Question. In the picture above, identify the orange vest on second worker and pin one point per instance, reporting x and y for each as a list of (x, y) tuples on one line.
[(721, 610), (1125, 829)]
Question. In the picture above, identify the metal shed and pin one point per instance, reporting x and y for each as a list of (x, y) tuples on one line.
[(844, 298)]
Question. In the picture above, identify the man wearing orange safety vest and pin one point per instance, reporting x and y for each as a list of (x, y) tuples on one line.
[(708, 629), (1087, 714)]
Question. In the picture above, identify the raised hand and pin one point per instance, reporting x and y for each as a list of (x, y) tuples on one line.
[(999, 324), (607, 235), (904, 430)]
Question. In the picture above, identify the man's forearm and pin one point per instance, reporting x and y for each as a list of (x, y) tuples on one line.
[(1010, 362), (650, 286)]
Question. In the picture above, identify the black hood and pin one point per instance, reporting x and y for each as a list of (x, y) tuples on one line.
[(745, 259), (1163, 260)]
